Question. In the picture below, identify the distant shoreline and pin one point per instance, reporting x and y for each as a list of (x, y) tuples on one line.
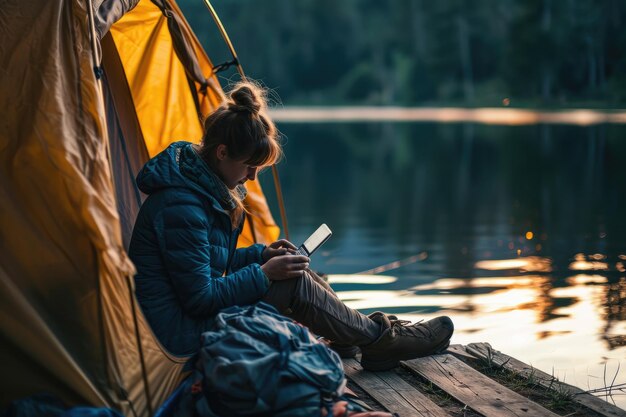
[(485, 115)]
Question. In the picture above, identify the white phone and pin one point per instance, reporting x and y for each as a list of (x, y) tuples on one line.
[(317, 239)]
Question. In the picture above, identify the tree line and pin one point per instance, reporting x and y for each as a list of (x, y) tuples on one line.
[(422, 52)]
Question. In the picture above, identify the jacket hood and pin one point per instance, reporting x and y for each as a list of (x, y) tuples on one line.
[(163, 171), (179, 166)]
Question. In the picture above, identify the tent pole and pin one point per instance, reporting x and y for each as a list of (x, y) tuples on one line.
[(220, 27), (279, 193)]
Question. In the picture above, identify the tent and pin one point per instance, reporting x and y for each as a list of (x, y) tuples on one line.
[(89, 90)]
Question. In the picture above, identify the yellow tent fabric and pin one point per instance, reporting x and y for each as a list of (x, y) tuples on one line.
[(69, 324), (143, 41), (145, 47)]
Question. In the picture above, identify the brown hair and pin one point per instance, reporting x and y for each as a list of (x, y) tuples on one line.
[(243, 125)]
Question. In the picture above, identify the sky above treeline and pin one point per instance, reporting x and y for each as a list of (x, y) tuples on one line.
[(422, 52)]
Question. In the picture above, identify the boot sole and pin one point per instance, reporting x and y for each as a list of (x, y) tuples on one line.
[(387, 364)]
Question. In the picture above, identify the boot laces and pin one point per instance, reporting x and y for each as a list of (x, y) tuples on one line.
[(406, 328)]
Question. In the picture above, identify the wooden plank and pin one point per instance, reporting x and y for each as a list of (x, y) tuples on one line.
[(390, 390), (485, 351), (460, 352), (474, 389)]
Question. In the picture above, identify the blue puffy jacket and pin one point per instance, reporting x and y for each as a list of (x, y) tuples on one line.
[(183, 247)]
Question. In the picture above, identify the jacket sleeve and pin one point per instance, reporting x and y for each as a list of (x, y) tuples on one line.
[(246, 256), (186, 254)]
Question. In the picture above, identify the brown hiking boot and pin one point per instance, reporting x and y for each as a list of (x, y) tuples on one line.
[(350, 351), (401, 340)]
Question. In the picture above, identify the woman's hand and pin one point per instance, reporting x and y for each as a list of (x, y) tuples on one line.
[(280, 247), (285, 267)]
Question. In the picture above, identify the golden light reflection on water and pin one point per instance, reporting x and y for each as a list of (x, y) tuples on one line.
[(524, 264), (588, 266), (456, 283), (360, 279), (384, 300), (576, 330), (586, 279)]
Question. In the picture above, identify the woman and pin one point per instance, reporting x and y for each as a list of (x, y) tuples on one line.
[(185, 236)]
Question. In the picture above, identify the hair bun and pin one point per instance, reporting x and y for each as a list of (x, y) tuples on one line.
[(246, 97)]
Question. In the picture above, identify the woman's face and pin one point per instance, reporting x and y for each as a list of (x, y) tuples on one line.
[(233, 172)]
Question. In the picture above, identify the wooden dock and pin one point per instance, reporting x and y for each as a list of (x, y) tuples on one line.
[(472, 380)]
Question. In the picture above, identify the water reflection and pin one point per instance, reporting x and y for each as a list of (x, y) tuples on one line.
[(615, 312), (526, 264), (485, 296), (581, 263), (572, 331), (360, 279), (517, 233)]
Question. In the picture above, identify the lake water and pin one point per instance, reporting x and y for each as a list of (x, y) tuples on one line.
[(516, 232)]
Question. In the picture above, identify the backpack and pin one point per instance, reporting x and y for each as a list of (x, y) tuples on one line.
[(256, 362)]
